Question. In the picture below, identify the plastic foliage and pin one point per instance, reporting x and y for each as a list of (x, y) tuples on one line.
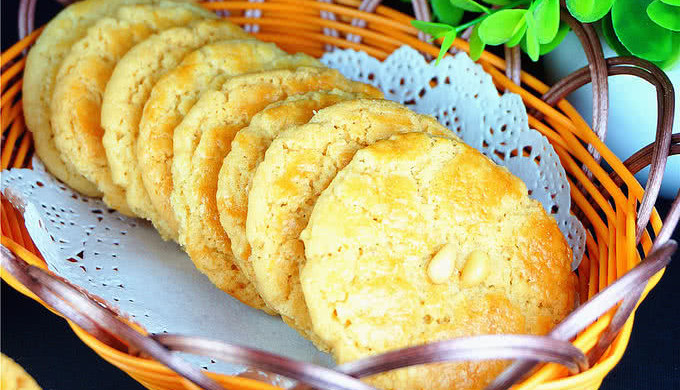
[(648, 29)]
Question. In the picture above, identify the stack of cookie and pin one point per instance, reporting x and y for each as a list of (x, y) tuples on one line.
[(366, 226)]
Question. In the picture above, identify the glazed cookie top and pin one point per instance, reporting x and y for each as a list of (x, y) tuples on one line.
[(173, 96), (203, 139), (422, 238), (42, 65), (128, 90), (76, 102), (247, 151), (298, 165)]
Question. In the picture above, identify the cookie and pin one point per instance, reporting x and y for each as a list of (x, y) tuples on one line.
[(172, 97), (202, 140), (81, 80), (42, 65), (14, 377), (246, 153), (422, 238), (129, 88), (298, 165)]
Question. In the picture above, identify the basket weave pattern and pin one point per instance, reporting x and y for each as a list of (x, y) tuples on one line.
[(616, 210)]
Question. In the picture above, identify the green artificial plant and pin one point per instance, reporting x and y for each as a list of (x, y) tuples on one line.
[(648, 29)]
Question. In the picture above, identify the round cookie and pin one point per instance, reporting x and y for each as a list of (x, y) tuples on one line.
[(420, 239), (202, 140), (246, 153), (42, 65), (14, 377), (175, 93), (129, 88), (81, 80), (298, 165)]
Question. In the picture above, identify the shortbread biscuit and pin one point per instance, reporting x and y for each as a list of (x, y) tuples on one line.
[(175, 93), (81, 80), (42, 65), (298, 165), (246, 153), (420, 239), (129, 88), (14, 377), (202, 140)]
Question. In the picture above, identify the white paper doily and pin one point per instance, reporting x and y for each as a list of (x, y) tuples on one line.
[(124, 261)]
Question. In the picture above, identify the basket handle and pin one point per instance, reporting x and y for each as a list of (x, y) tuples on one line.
[(104, 325), (660, 149)]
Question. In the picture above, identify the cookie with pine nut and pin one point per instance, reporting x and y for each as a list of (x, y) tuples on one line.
[(298, 165), (82, 78), (128, 90), (422, 238), (201, 142)]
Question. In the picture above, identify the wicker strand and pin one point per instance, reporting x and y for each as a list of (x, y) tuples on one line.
[(327, 15), (598, 70), (90, 313), (513, 63), (366, 6), (666, 109), (598, 305)]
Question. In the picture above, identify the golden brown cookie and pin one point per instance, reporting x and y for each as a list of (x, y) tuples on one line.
[(298, 165), (129, 88), (246, 153), (202, 140), (172, 97), (42, 65), (14, 377), (420, 239), (81, 80)]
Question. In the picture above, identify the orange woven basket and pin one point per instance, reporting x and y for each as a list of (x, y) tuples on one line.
[(615, 209)]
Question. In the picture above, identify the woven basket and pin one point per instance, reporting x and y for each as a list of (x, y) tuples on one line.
[(624, 232)]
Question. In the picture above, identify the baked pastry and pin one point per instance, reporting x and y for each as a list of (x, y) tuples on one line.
[(422, 238), (202, 140), (298, 165), (42, 65), (81, 80), (175, 93), (129, 88), (14, 377), (246, 153)]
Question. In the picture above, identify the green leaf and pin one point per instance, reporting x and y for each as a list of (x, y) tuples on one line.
[(446, 45), (447, 13), (550, 46), (588, 11), (517, 38), (531, 38), (666, 16), (638, 33), (671, 2), (476, 44), (431, 28), (498, 2), (469, 5), (500, 26), (611, 38), (547, 16)]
